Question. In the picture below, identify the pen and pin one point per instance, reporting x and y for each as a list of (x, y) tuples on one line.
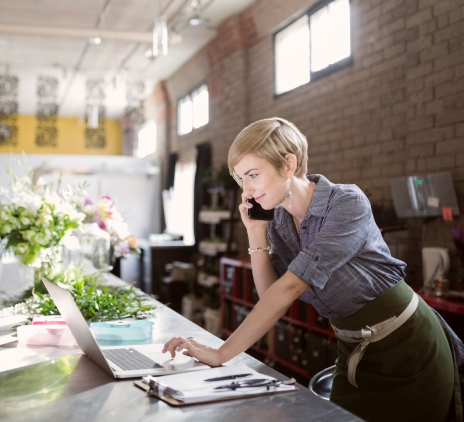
[(228, 377)]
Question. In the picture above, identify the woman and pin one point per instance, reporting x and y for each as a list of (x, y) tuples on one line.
[(323, 246)]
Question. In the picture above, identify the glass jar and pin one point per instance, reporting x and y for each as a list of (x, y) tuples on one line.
[(94, 250)]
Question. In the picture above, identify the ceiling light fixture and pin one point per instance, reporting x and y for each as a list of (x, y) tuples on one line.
[(94, 40), (93, 116), (160, 34), (149, 54), (160, 37), (196, 20)]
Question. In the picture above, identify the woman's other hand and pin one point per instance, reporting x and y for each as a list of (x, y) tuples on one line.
[(248, 222), (205, 354)]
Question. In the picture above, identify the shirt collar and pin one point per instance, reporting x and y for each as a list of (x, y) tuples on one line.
[(322, 194), (319, 203)]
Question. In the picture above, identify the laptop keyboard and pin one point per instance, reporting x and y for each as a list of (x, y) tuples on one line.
[(129, 359)]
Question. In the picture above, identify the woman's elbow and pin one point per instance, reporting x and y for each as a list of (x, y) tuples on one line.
[(292, 286)]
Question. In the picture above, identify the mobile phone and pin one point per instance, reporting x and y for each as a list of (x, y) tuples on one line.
[(258, 212)]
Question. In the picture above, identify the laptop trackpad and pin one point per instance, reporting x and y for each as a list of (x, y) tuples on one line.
[(154, 352)]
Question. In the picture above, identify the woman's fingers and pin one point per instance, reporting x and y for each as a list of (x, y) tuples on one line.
[(182, 346), (172, 344), (245, 205), (191, 347)]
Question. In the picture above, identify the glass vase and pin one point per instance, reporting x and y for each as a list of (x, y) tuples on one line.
[(94, 251)]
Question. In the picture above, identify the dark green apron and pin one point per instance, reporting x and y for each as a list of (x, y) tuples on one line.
[(410, 375)]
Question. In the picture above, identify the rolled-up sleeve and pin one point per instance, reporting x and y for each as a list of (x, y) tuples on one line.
[(343, 234)]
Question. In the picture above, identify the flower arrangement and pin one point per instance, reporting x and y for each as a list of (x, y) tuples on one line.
[(35, 219), (108, 218)]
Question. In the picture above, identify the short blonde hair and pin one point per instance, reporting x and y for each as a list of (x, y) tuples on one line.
[(271, 139)]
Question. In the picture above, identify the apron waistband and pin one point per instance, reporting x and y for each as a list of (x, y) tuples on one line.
[(371, 334)]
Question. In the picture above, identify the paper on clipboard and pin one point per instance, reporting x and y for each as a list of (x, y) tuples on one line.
[(192, 387)]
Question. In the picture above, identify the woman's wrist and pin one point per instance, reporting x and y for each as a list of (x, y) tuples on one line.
[(223, 354), (257, 238)]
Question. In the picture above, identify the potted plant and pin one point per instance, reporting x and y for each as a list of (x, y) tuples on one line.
[(219, 177)]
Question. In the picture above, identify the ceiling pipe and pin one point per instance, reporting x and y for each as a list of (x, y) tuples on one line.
[(53, 31), (101, 18)]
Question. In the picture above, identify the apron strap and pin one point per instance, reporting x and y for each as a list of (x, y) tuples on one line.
[(371, 334)]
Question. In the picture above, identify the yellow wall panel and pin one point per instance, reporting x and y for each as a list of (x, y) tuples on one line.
[(71, 138)]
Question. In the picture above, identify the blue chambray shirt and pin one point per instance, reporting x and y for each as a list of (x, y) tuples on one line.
[(343, 256)]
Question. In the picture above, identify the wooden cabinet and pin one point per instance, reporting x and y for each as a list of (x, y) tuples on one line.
[(302, 340)]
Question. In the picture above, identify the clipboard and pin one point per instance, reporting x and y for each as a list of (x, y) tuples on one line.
[(177, 403)]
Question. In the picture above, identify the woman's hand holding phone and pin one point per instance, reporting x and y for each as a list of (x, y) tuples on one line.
[(247, 221)]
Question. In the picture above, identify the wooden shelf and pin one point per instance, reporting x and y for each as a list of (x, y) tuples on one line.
[(293, 367), (240, 301), (283, 362), (442, 304)]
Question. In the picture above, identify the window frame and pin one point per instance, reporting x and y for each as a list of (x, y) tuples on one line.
[(190, 94), (313, 76)]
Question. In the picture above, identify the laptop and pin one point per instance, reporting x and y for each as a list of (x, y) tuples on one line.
[(118, 361)]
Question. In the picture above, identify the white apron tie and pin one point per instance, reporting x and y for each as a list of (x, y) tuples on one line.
[(371, 334)]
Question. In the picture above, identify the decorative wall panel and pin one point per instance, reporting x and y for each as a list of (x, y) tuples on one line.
[(95, 97), (47, 112), (8, 110), (134, 115)]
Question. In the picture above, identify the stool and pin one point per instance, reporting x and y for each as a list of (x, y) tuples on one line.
[(321, 383)]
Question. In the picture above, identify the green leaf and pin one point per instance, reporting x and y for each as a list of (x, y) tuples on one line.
[(40, 295)]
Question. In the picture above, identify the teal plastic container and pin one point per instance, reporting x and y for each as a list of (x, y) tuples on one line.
[(122, 330)]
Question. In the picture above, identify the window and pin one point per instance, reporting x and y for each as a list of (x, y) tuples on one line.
[(193, 110), (178, 202), (185, 115), (146, 138), (314, 45), (292, 56)]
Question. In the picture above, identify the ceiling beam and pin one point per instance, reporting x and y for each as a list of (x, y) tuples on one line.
[(55, 31)]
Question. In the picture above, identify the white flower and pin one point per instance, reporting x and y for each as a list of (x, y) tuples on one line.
[(7, 229), (4, 192), (45, 212), (28, 201), (15, 222), (21, 248), (70, 242), (25, 221), (118, 228), (47, 234), (44, 221), (4, 214), (80, 216), (40, 182), (37, 263), (41, 239), (89, 209), (28, 235)]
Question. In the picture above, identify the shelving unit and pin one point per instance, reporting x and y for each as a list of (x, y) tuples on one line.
[(217, 216), (301, 340)]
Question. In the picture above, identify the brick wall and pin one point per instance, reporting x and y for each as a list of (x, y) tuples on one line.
[(398, 110)]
